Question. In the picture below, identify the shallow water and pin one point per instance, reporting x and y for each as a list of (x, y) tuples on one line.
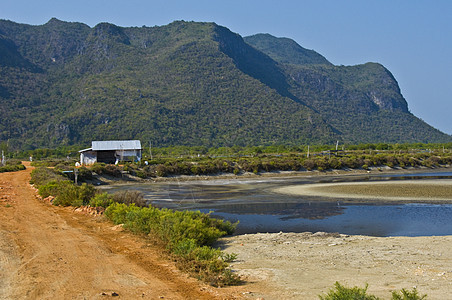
[(258, 209)]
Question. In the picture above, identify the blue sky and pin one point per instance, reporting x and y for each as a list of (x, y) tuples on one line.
[(412, 38)]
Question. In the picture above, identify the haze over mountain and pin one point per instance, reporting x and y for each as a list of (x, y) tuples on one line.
[(189, 83)]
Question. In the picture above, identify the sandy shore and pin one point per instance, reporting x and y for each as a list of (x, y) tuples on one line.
[(305, 265), (406, 190)]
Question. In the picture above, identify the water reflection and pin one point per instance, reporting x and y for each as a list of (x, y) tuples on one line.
[(286, 211)]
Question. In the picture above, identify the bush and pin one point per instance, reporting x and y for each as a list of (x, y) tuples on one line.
[(11, 168), (84, 173), (129, 197), (161, 171), (51, 183), (48, 189), (407, 295), (344, 293), (101, 200), (206, 262), (98, 168), (42, 175), (113, 170), (85, 193), (117, 212), (103, 169), (309, 164), (67, 194), (187, 234), (341, 292)]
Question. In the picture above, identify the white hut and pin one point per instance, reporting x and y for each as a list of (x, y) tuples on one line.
[(111, 152)]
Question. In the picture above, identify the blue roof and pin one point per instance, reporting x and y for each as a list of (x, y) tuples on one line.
[(116, 145)]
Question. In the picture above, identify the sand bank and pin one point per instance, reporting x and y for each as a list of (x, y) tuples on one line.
[(406, 190)]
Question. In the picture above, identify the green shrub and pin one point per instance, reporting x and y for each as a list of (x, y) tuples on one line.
[(309, 164), (48, 189), (207, 263), (51, 183), (407, 295), (84, 173), (117, 212), (161, 171), (98, 168), (11, 168), (140, 174), (67, 195), (42, 175), (341, 292), (113, 170), (141, 220), (187, 234), (101, 200), (86, 192)]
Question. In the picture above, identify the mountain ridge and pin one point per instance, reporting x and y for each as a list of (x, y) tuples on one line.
[(188, 83), (289, 51)]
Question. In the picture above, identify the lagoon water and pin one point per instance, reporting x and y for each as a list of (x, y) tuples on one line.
[(253, 203)]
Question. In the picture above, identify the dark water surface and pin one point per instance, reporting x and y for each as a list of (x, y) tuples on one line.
[(258, 209)]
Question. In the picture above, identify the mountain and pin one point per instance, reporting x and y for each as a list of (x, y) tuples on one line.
[(188, 83), (285, 50)]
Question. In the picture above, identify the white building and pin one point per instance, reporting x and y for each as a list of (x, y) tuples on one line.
[(111, 152)]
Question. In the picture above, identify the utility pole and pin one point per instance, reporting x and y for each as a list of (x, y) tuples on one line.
[(76, 176), (308, 151), (150, 149)]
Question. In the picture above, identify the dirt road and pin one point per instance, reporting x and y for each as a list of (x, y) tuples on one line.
[(49, 252)]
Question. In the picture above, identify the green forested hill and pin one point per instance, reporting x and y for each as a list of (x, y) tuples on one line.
[(188, 83), (285, 50)]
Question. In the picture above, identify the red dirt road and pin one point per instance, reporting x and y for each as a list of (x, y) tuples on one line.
[(49, 252)]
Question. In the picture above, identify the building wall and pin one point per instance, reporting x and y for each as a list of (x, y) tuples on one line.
[(88, 158)]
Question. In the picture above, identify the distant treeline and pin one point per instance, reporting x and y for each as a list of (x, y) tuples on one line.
[(184, 162), (178, 151), (321, 161)]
